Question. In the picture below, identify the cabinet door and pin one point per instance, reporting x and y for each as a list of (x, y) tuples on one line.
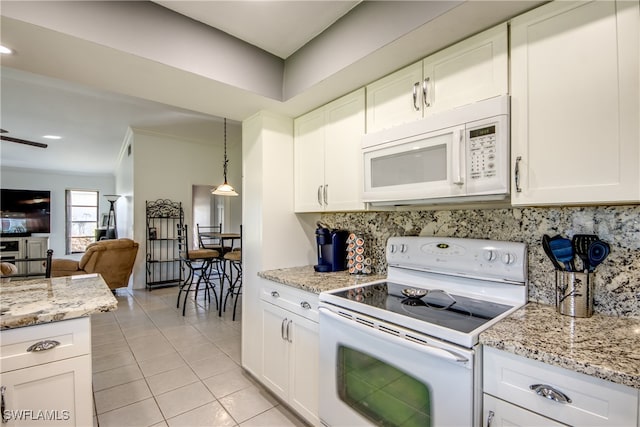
[(305, 352), (574, 77), (275, 358), (309, 161), (57, 393), (343, 157), (390, 100), (469, 71), (498, 413), (35, 248)]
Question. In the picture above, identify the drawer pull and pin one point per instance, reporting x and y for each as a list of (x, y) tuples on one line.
[(550, 393), (305, 304), (43, 345), (275, 294)]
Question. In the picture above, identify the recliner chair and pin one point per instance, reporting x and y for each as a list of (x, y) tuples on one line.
[(113, 259)]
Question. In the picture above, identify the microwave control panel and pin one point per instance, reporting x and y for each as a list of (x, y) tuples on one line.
[(482, 152)]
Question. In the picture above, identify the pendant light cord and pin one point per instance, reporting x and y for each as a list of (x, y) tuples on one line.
[(224, 164)]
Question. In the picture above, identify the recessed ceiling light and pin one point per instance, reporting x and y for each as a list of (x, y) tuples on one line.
[(52, 137), (5, 50)]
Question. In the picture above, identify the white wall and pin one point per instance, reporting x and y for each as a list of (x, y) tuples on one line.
[(167, 167), (58, 183)]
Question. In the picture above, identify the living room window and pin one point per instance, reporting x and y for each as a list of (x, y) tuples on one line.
[(81, 218)]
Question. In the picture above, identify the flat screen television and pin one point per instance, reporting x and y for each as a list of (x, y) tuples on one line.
[(24, 212)]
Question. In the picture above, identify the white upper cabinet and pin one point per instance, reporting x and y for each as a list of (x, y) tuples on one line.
[(395, 99), (574, 104), (469, 71), (328, 164)]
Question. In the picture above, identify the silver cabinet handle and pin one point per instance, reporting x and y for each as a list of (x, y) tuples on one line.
[(415, 96), (550, 393), (275, 294), (43, 345), (320, 194), (425, 92), (305, 304), (326, 194), (282, 328), (517, 174), (289, 331), (490, 418), (2, 406)]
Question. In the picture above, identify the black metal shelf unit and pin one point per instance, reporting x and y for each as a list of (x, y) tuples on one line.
[(163, 261)]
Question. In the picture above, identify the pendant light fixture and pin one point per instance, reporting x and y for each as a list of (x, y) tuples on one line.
[(225, 189)]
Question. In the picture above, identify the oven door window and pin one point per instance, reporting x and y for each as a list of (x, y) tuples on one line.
[(381, 392)]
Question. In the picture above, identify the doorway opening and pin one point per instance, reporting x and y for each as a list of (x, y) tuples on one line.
[(208, 209)]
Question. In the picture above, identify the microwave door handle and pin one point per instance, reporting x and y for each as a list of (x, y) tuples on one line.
[(457, 157)]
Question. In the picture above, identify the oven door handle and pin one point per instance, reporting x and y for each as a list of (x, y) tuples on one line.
[(424, 347)]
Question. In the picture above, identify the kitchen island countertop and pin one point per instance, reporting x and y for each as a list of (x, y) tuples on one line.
[(602, 346), (36, 301), (307, 279)]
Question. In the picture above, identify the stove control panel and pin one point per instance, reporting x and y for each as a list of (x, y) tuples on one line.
[(478, 258)]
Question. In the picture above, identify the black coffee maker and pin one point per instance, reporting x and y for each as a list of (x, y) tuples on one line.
[(332, 249)]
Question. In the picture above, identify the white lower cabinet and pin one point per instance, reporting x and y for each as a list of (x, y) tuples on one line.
[(521, 391), (291, 348), (57, 393), (46, 374)]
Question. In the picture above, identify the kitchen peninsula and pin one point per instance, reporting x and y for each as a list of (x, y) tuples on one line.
[(45, 333)]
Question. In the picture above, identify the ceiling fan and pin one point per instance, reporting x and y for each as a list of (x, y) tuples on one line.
[(21, 141)]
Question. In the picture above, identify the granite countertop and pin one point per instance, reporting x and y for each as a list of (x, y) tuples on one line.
[(307, 279), (602, 346), (35, 301)]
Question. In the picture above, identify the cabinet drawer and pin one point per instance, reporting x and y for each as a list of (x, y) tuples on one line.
[(594, 402), (73, 335), (295, 300)]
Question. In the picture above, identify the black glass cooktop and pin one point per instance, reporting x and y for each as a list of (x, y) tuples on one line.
[(456, 312)]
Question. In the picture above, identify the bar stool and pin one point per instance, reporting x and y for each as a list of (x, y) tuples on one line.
[(198, 262), (234, 258)]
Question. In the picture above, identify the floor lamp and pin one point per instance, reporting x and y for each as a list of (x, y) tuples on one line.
[(112, 231)]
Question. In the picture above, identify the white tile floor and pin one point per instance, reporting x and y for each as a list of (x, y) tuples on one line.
[(154, 367)]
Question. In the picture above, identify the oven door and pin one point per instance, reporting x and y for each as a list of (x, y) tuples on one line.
[(393, 378)]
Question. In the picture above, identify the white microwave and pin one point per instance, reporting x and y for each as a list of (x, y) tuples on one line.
[(461, 155)]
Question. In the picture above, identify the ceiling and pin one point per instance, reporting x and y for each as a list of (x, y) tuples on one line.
[(279, 27), (96, 122)]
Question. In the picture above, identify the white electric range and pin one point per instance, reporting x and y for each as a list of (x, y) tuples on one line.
[(403, 351)]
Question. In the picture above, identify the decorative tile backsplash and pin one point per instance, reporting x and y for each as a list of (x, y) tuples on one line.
[(617, 278)]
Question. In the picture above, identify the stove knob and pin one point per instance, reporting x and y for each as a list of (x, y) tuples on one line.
[(508, 258), (489, 255), (403, 248), (392, 249)]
